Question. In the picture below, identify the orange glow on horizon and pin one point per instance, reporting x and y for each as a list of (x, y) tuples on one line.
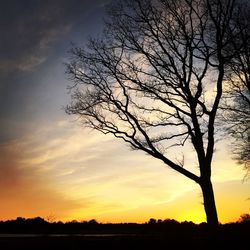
[(82, 177)]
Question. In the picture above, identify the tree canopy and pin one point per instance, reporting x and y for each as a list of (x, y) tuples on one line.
[(155, 79)]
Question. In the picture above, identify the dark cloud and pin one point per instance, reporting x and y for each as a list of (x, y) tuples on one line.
[(34, 34), (30, 27)]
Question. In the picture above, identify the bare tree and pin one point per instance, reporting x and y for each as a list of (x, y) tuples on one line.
[(155, 80), (236, 105)]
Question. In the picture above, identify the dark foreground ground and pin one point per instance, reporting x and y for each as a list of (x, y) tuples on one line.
[(119, 242), (37, 234)]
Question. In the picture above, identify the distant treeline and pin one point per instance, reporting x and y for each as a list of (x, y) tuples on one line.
[(169, 226)]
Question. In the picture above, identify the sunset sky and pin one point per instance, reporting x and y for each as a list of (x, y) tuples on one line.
[(51, 166)]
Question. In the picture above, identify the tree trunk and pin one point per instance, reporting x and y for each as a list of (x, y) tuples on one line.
[(209, 203)]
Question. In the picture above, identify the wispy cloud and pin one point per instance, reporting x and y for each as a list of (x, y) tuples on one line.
[(26, 193), (87, 175), (77, 166)]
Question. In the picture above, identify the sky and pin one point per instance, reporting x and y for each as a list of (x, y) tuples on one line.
[(53, 167)]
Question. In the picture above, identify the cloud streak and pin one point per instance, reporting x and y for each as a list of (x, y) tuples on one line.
[(25, 192), (74, 173), (80, 170)]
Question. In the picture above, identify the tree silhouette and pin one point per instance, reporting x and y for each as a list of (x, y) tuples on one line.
[(236, 105), (244, 218), (155, 80)]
